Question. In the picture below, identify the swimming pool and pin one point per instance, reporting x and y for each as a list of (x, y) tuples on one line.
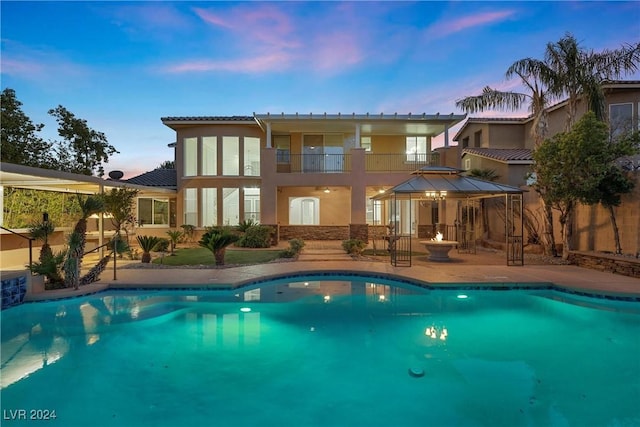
[(322, 351)]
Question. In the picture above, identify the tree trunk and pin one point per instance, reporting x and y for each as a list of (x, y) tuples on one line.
[(566, 220), (616, 233), (219, 256), (146, 257), (548, 240)]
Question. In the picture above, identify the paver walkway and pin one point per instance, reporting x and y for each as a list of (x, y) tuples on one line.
[(485, 267)]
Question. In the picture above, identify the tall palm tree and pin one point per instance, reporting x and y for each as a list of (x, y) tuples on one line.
[(77, 240), (579, 73), (539, 81)]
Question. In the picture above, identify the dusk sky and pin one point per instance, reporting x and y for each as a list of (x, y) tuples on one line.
[(123, 65)]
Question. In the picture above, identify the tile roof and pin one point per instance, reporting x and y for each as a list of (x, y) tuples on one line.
[(165, 178), (508, 155)]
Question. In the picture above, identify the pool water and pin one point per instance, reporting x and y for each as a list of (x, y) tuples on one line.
[(322, 353)]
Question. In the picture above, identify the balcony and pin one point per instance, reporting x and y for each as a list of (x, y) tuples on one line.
[(314, 163), (341, 163), (387, 163)]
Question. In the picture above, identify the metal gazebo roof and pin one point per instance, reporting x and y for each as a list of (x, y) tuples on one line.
[(442, 178)]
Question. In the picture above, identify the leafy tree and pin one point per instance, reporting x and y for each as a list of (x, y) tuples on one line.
[(572, 167), (119, 203), (82, 150), (20, 143), (216, 240), (167, 164)]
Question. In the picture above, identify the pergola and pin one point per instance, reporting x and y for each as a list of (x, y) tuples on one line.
[(441, 183)]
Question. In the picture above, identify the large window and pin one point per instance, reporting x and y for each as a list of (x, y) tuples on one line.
[(620, 119), (231, 155), (191, 206), (252, 204), (190, 156), (209, 207), (230, 206), (251, 156), (416, 148), (323, 153), (209, 155), (153, 211)]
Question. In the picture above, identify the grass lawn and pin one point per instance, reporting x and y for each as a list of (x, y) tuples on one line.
[(203, 256)]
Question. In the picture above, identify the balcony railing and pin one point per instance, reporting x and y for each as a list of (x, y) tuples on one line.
[(341, 163), (400, 162), (316, 163)]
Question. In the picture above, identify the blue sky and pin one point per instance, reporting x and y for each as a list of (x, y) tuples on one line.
[(123, 65)]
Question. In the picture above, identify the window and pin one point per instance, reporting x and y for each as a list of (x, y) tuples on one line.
[(209, 155), (251, 156), (153, 211), (190, 156), (231, 155), (467, 164), (283, 148), (209, 207), (191, 206), (374, 212), (252, 204), (365, 142), (230, 206), (323, 153), (620, 119), (477, 139), (416, 148)]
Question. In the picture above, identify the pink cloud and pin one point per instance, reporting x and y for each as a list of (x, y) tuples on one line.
[(451, 26), (242, 65)]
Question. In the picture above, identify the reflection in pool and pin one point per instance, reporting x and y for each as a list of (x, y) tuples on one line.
[(323, 352)]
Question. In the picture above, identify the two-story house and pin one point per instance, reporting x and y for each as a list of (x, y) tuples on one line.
[(505, 146), (311, 176)]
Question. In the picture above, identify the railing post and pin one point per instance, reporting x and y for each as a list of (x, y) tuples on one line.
[(115, 254)]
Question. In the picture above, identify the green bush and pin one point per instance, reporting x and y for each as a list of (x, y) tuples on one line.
[(353, 246), (163, 245), (245, 225), (295, 246), (256, 236)]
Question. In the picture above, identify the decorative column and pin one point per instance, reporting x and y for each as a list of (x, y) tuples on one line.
[(268, 134)]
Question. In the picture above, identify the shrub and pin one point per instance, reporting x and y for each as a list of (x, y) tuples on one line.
[(353, 246), (147, 244), (295, 246), (245, 225), (256, 236), (216, 239), (188, 232), (163, 245)]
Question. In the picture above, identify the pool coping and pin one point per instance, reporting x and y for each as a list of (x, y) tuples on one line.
[(230, 282)]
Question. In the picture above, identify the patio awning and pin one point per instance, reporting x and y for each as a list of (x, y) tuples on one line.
[(446, 179)]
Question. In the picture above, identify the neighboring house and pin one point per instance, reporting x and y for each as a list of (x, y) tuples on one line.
[(310, 176), (505, 145), (155, 207)]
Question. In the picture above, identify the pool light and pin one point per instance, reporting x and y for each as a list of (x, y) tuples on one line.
[(327, 298), (245, 309), (463, 296)]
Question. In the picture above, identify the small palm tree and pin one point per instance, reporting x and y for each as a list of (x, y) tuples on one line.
[(174, 238), (42, 231), (217, 240), (147, 244)]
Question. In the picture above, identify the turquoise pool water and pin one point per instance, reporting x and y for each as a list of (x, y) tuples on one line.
[(321, 352)]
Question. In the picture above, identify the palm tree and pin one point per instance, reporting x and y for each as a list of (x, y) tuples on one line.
[(538, 78), (174, 238), (41, 231), (580, 74), (147, 244), (77, 240), (217, 240)]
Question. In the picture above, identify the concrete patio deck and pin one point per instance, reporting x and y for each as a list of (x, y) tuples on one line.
[(481, 269)]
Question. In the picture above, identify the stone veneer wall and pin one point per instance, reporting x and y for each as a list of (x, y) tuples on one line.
[(314, 232), (359, 232), (625, 266)]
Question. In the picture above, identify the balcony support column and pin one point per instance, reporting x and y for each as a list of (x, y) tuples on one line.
[(357, 141), (268, 134), (446, 136)]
